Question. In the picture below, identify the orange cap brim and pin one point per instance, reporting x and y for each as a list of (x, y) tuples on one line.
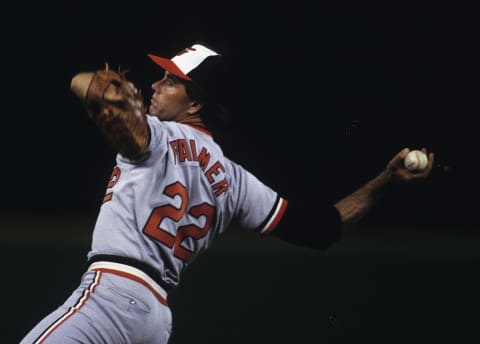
[(169, 66)]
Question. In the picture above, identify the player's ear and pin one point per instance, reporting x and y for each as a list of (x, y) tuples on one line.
[(195, 106)]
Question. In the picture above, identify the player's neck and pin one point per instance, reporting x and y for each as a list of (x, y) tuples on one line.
[(194, 120)]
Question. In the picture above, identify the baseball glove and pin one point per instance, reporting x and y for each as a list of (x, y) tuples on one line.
[(117, 108)]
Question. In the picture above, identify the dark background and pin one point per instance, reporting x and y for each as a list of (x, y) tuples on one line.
[(321, 99), (326, 97)]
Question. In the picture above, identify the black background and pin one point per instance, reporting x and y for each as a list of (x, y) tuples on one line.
[(323, 97)]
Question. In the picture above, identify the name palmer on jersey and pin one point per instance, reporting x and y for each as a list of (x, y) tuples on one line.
[(187, 151)]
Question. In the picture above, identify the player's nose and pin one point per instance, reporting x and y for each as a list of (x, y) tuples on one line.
[(156, 86)]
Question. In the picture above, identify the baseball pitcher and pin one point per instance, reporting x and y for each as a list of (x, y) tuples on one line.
[(172, 191)]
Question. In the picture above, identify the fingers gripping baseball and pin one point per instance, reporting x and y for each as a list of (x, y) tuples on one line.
[(400, 172)]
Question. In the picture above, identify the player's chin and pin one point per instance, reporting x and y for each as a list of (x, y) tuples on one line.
[(152, 109)]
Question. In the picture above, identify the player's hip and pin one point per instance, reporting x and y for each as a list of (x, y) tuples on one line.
[(106, 308)]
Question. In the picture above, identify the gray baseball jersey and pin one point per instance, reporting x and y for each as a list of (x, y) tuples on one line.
[(167, 209), (157, 215)]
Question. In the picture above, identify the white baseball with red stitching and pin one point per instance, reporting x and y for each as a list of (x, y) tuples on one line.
[(416, 161)]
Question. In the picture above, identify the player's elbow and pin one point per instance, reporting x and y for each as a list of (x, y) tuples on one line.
[(302, 232), (80, 84)]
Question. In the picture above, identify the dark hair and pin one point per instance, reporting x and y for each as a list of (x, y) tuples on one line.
[(195, 92), (209, 81), (211, 92), (214, 114)]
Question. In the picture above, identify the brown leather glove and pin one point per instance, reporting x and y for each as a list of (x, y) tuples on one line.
[(116, 106)]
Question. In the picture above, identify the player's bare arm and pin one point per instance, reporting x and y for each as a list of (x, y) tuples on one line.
[(117, 108), (301, 225), (354, 206)]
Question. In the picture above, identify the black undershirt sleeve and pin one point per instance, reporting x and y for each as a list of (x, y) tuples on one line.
[(310, 224)]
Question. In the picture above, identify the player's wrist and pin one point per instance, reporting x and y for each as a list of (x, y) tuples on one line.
[(381, 182)]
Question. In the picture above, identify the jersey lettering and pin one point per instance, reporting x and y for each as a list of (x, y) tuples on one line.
[(111, 183), (154, 230), (184, 150)]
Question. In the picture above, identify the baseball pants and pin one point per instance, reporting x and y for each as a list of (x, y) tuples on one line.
[(114, 303)]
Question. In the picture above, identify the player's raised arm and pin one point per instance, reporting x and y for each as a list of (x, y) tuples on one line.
[(354, 206), (318, 226), (117, 108)]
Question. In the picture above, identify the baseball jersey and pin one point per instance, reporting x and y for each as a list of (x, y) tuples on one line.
[(168, 208)]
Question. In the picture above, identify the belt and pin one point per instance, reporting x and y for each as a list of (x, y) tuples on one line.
[(132, 273)]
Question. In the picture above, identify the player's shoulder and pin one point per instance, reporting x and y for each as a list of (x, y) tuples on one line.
[(172, 127), (171, 132), (164, 129)]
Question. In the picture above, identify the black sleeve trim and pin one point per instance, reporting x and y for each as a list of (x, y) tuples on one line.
[(318, 228), (273, 213)]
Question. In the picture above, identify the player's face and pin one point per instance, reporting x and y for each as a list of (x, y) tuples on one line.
[(170, 100)]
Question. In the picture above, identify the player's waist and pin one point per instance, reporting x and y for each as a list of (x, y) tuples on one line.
[(132, 269)]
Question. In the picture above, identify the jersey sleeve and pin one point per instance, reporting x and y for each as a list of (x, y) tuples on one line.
[(257, 207), (156, 133), (310, 223)]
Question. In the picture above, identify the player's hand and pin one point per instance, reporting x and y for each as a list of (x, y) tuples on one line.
[(399, 173)]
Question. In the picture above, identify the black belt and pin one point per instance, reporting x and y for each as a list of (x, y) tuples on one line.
[(146, 268)]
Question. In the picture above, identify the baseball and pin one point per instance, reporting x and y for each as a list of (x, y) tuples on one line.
[(416, 161)]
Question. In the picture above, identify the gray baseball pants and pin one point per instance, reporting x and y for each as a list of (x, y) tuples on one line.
[(114, 303)]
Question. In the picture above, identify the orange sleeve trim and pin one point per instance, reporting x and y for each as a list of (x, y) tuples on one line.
[(277, 216)]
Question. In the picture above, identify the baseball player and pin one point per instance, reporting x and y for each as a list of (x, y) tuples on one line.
[(171, 192)]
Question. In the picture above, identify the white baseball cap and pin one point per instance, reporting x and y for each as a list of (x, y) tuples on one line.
[(202, 67), (186, 62)]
